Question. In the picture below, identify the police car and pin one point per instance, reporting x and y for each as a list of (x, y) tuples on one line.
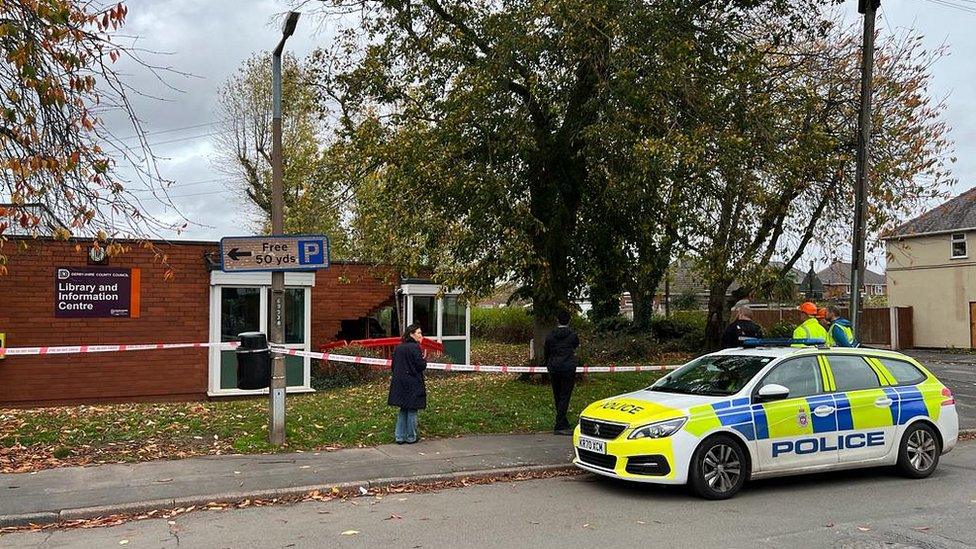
[(767, 410)]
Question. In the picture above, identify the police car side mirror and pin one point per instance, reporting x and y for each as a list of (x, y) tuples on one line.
[(771, 392)]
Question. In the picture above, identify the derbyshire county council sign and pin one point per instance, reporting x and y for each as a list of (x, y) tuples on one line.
[(96, 292)]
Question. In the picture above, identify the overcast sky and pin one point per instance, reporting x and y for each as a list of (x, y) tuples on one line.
[(211, 38)]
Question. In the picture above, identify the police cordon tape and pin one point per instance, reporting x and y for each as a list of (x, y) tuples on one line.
[(492, 368), (76, 349), (353, 359)]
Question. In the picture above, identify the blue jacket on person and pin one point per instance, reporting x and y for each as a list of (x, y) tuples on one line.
[(841, 334)]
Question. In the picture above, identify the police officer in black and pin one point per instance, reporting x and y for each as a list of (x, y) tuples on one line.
[(559, 356), (742, 326)]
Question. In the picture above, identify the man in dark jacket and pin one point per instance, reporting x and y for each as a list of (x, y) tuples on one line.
[(407, 388), (559, 356), (742, 326)]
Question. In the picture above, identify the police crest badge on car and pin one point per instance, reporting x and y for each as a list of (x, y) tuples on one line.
[(801, 417)]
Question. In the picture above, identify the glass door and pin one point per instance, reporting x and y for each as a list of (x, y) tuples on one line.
[(240, 309), (454, 328), (442, 319)]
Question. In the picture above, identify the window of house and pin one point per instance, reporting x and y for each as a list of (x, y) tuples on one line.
[(959, 246)]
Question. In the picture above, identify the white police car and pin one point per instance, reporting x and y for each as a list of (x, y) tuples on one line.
[(771, 410)]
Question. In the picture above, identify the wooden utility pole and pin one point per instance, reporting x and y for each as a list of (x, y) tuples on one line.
[(869, 9)]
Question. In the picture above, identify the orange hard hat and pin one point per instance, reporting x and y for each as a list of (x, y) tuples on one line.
[(808, 307), (822, 312)]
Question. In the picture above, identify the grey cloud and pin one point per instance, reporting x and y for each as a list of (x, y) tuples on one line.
[(211, 38)]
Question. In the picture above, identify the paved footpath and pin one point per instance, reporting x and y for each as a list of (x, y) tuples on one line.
[(863, 509), (85, 492)]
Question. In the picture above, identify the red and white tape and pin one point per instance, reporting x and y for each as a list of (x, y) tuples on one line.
[(381, 362), (474, 367), (76, 349)]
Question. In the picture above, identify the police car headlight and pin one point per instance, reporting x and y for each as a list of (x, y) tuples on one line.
[(660, 429)]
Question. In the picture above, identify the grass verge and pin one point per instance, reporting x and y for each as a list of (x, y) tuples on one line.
[(458, 404)]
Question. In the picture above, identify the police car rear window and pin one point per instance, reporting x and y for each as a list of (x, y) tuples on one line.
[(904, 373), (852, 373)]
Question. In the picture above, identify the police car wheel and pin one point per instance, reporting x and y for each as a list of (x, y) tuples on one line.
[(718, 468), (919, 452)]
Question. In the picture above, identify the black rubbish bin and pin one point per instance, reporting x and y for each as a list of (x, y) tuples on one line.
[(253, 361)]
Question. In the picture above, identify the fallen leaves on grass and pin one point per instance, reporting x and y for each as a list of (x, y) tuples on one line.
[(44, 438)]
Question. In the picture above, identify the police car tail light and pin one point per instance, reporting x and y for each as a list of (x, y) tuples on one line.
[(949, 399), (660, 429)]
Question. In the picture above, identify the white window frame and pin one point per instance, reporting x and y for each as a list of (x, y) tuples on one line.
[(262, 281), (953, 239), (427, 290)]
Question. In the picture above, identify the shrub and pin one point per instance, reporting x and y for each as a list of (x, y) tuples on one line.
[(683, 331), (678, 325), (685, 301), (504, 325), (332, 374), (604, 348), (616, 324), (781, 329)]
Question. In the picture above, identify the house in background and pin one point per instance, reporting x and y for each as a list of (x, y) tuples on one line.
[(931, 270), (836, 279)]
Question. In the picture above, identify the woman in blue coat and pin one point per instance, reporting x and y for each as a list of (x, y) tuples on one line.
[(407, 389)]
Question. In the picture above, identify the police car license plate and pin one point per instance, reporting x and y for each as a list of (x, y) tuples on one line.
[(597, 446)]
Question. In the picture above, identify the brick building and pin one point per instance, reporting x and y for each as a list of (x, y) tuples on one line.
[(836, 279), (199, 303)]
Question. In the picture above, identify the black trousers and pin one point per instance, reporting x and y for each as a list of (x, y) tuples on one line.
[(562, 389)]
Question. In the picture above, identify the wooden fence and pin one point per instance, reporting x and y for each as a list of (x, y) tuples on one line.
[(875, 329)]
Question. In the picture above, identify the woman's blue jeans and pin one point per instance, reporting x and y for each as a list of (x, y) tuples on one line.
[(406, 425)]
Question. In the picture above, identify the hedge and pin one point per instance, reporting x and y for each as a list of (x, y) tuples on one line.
[(503, 325)]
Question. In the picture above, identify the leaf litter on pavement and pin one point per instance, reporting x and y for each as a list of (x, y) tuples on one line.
[(315, 495)]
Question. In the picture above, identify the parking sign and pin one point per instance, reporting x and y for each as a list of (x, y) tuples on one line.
[(274, 253)]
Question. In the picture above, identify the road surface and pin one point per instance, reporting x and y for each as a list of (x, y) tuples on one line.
[(958, 372), (860, 509)]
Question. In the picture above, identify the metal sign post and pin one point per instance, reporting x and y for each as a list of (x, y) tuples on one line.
[(276, 254)]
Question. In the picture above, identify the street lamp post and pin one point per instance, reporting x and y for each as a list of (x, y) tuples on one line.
[(869, 9), (277, 332)]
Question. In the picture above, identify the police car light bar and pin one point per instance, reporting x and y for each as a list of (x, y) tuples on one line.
[(782, 342)]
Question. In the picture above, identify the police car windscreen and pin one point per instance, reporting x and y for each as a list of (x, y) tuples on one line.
[(712, 375)]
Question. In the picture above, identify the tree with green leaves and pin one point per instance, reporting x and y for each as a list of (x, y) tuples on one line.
[(478, 127), (782, 172), (313, 203)]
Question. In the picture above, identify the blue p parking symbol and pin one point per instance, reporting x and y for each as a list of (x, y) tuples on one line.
[(311, 252)]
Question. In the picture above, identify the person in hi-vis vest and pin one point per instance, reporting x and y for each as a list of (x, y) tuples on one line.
[(840, 333), (810, 328)]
